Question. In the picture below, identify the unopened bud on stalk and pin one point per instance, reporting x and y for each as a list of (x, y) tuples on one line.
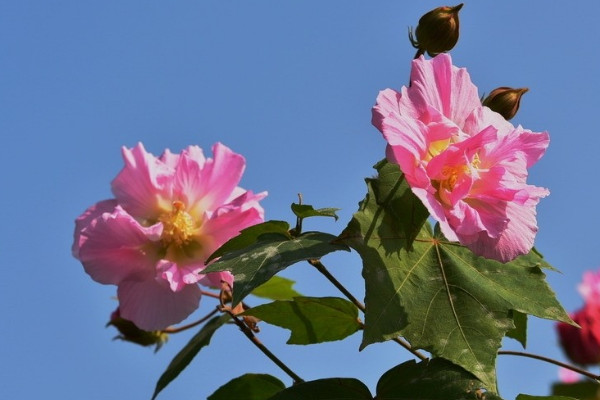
[(129, 332), (437, 31), (505, 101)]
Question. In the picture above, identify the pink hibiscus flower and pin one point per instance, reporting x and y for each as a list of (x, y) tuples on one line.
[(168, 215), (466, 163)]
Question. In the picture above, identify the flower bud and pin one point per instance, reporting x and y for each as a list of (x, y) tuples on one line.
[(129, 332), (582, 345), (505, 101), (437, 31)]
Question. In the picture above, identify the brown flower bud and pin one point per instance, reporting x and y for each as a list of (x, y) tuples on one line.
[(129, 332), (505, 101), (437, 31)]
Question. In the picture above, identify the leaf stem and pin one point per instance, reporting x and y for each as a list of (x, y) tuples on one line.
[(551, 361), (321, 268), (193, 324), (250, 335)]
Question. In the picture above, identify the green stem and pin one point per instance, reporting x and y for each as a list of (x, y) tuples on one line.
[(321, 268), (250, 335), (551, 361)]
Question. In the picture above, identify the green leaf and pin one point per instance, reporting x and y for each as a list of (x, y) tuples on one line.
[(584, 390), (257, 263), (326, 389), (528, 397), (189, 351), (276, 288), (249, 387), (519, 332), (437, 294), (311, 319), (305, 211), (436, 379), (249, 236)]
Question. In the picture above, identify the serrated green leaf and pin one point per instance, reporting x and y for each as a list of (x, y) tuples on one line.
[(254, 265), (249, 387), (519, 332), (305, 211), (528, 397), (276, 288), (249, 236), (437, 294), (326, 389), (584, 390), (189, 351), (435, 379), (311, 319)]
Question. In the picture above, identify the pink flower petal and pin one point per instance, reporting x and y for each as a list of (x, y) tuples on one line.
[(152, 305), (227, 223), (177, 275), (114, 247), (517, 237), (143, 186), (85, 220), (439, 84), (206, 186)]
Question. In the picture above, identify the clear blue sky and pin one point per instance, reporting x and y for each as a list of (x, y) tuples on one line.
[(289, 85)]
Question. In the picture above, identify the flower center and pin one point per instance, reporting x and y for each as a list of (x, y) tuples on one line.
[(450, 175), (178, 225)]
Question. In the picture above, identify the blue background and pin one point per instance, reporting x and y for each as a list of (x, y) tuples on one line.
[(290, 85)]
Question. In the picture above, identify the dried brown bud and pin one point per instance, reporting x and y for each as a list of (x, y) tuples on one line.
[(505, 101), (437, 31), (129, 332)]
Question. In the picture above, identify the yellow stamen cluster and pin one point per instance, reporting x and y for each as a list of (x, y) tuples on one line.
[(178, 225)]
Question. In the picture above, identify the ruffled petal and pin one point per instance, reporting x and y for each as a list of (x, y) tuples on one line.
[(204, 186), (518, 236), (114, 247), (152, 305), (143, 187), (227, 222), (177, 275), (439, 84), (85, 219)]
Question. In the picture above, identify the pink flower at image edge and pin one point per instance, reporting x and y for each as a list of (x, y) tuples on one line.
[(168, 215), (466, 163)]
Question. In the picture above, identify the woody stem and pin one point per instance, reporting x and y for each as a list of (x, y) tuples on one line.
[(250, 335), (321, 268)]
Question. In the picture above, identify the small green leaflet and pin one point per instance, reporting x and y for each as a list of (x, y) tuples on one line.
[(272, 252), (435, 379), (189, 351), (305, 211), (326, 389), (311, 319), (437, 294), (249, 387), (276, 288)]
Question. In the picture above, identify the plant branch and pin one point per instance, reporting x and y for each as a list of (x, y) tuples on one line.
[(250, 335), (321, 268), (193, 324), (551, 361), (209, 294)]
